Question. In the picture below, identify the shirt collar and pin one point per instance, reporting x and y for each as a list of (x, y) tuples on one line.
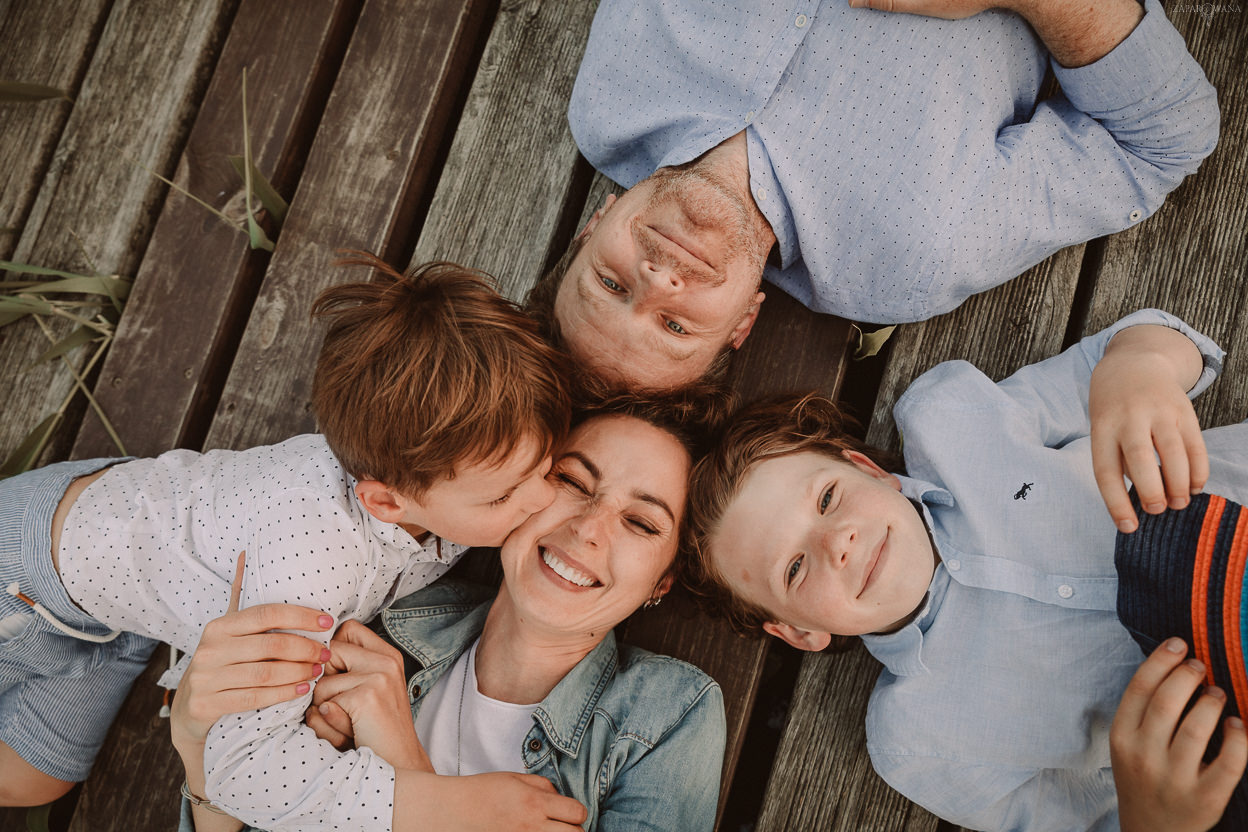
[(901, 652)]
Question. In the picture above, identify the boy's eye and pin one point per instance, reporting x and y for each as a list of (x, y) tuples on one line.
[(825, 500), (794, 568), (675, 327), (611, 285)]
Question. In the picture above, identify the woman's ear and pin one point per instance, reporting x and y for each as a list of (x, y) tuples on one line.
[(801, 639), (380, 501), (664, 586)]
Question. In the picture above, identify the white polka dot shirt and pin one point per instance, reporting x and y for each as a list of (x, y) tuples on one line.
[(151, 548), (902, 161)]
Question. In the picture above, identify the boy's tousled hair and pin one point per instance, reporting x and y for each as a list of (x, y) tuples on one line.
[(772, 427), (423, 371)]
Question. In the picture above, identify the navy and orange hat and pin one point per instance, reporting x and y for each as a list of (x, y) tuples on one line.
[(1181, 573)]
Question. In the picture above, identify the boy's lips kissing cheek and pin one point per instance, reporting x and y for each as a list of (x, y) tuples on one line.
[(564, 570)]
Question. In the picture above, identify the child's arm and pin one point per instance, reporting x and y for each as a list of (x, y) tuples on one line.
[(1161, 779), (1139, 411)]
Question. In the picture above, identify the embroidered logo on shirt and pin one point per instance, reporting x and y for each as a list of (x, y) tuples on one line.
[(1021, 494)]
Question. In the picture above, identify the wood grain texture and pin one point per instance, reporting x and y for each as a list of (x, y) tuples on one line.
[(134, 105), (198, 278), (382, 125), (513, 165), (29, 131), (846, 795), (1191, 257)]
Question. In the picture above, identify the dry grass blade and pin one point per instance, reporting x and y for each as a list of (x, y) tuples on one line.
[(18, 91), (80, 336), (190, 196), (258, 238), (25, 454), (26, 268), (265, 192)]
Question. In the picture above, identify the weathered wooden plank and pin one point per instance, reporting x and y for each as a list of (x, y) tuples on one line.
[(383, 125), (29, 131), (95, 207), (194, 289), (1191, 258), (839, 790), (513, 166)]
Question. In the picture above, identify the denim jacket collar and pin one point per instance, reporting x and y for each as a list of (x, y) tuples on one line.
[(450, 618)]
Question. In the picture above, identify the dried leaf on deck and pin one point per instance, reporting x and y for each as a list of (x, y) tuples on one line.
[(870, 343), (18, 91), (81, 335), (24, 456)]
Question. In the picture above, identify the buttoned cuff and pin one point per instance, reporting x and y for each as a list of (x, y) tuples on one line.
[(1133, 71)]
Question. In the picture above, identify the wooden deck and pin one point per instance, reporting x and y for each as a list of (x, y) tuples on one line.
[(423, 129)]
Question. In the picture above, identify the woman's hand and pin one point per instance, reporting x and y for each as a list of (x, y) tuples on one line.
[(363, 696), (1157, 753), (240, 666), (1139, 411)]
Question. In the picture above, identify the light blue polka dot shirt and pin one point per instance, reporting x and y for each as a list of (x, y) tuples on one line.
[(903, 162)]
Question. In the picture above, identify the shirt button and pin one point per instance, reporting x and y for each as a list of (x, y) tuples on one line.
[(535, 745), (761, 193), (954, 565), (1135, 215), (749, 116), (1065, 590), (801, 21)]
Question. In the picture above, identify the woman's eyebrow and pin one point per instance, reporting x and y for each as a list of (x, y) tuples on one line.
[(655, 501), (584, 460)]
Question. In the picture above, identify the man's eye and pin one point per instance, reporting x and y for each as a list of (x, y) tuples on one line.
[(825, 501), (611, 285), (793, 570), (675, 327)]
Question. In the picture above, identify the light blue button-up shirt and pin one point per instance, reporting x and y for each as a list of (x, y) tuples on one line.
[(902, 161), (994, 705)]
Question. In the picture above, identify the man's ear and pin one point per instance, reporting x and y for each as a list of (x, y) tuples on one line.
[(863, 463), (593, 221), (380, 501), (743, 327), (795, 637)]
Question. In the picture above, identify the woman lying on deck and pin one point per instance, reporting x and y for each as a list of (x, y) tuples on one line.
[(530, 682)]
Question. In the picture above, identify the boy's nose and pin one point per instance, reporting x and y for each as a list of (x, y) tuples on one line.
[(837, 543)]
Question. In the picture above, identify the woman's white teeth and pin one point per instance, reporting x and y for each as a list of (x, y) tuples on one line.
[(568, 573)]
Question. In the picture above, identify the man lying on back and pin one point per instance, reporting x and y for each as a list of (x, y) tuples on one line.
[(881, 167)]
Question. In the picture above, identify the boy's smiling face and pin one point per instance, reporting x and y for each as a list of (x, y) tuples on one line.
[(827, 545)]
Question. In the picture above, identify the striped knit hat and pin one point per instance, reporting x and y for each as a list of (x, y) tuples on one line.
[(1182, 574)]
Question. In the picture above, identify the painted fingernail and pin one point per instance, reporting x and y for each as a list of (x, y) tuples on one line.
[(1215, 691), (318, 669), (326, 621), (302, 688), (325, 654), (1195, 664), (1175, 645)]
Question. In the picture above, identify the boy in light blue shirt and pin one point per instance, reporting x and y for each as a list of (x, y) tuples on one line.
[(984, 581)]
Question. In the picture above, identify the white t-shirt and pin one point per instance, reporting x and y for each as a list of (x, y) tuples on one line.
[(466, 732)]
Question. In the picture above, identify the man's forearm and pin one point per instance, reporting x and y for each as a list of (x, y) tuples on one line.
[(1080, 32)]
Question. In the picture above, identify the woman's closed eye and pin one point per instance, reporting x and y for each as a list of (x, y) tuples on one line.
[(794, 568), (642, 525)]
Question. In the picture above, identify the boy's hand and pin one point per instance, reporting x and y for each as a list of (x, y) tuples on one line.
[(1139, 411), (1157, 753), (366, 682), (494, 802)]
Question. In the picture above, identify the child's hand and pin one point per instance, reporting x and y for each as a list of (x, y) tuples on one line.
[(364, 697), (1139, 411), (1161, 779), (240, 666)]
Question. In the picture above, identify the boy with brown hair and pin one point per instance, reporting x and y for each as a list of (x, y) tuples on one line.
[(440, 406), (983, 579)]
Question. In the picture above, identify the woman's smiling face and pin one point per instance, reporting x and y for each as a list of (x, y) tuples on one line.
[(607, 542)]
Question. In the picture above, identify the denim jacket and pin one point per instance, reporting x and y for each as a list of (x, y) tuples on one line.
[(637, 738)]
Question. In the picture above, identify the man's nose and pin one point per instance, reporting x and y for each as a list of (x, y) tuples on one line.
[(660, 279)]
